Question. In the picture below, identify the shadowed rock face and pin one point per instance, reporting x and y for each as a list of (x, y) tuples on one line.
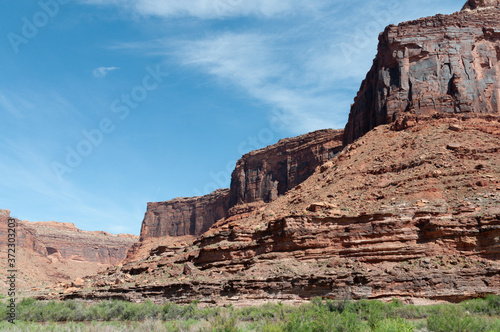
[(184, 216), (265, 174), (441, 64)]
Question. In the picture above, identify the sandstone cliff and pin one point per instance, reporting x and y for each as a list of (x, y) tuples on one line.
[(408, 214), (184, 216), (265, 174), (441, 64), (478, 4), (49, 252)]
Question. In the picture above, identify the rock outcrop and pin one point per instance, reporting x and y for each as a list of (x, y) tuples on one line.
[(441, 64), (265, 174), (184, 216), (65, 240), (478, 4), (49, 252)]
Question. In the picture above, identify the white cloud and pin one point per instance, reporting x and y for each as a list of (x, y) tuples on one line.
[(102, 72), (209, 9), (257, 65)]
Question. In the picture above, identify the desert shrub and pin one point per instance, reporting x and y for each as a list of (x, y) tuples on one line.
[(393, 325), (272, 327), (350, 322), (265, 312), (488, 306), (147, 310), (223, 323), (454, 318), (410, 312)]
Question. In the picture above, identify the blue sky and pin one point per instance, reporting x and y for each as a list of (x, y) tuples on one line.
[(109, 104)]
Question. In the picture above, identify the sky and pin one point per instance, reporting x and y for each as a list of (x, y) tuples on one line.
[(106, 105)]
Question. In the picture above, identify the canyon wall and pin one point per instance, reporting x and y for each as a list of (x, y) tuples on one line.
[(49, 252), (442, 64), (184, 216), (265, 174), (70, 243), (410, 210)]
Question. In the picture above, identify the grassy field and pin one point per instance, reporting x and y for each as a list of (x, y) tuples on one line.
[(319, 315)]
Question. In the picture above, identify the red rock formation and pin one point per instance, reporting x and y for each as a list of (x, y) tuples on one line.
[(408, 214), (412, 212), (441, 64), (71, 243), (265, 174), (184, 216), (49, 252)]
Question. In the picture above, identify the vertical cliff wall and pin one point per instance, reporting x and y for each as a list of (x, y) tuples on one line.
[(441, 64), (184, 216), (265, 174)]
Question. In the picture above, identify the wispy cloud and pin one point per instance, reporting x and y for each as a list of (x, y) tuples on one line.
[(102, 72), (210, 9), (14, 105), (262, 66), (307, 62)]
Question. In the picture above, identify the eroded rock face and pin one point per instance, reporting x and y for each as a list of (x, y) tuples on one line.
[(265, 174), (409, 210), (441, 64), (184, 216), (71, 243), (49, 252)]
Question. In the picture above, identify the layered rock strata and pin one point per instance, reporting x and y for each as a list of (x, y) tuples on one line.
[(411, 209), (49, 252), (441, 64)]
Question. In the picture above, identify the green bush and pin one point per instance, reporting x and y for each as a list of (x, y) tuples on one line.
[(223, 324), (454, 318), (393, 325), (318, 315), (488, 306)]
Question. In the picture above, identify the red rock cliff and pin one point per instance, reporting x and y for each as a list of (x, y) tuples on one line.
[(265, 174), (49, 252), (441, 64), (184, 216)]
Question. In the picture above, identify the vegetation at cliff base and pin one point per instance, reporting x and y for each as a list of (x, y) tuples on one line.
[(318, 315)]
